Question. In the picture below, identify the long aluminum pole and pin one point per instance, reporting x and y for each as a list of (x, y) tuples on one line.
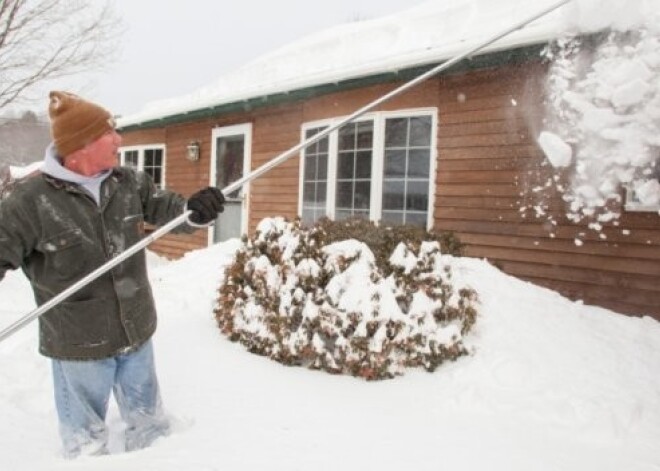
[(263, 169), (408, 85), (132, 250)]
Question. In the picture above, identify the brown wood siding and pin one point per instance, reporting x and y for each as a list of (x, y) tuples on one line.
[(488, 162)]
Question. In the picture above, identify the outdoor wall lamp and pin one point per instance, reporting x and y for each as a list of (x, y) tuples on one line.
[(192, 151)]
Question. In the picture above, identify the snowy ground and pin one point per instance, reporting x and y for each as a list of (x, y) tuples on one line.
[(552, 385)]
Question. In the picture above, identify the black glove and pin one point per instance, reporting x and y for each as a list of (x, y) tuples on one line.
[(205, 205)]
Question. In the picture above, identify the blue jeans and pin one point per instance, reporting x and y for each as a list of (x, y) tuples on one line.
[(82, 392)]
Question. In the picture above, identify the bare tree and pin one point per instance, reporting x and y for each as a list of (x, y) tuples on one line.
[(41, 40)]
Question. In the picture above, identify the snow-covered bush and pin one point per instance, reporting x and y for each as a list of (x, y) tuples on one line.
[(296, 299), (383, 239)]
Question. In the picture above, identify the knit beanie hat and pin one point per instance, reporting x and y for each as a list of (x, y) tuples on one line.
[(75, 122)]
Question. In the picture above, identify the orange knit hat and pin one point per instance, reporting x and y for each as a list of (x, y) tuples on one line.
[(75, 122)]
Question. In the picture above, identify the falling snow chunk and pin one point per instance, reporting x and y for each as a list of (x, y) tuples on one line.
[(627, 72), (596, 119), (630, 94), (558, 152), (578, 242)]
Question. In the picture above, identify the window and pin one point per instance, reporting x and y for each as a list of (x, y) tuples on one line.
[(315, 178), (407, 170), (148, 159), (379, 168), (354, 155), (633, 202)]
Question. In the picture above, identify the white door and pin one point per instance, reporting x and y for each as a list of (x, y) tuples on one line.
[(231, 161)]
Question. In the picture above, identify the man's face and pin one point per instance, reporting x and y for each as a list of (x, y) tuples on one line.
[(97, 156), (102, 153)]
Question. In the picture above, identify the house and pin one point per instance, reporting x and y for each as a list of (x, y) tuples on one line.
[(456, 153)]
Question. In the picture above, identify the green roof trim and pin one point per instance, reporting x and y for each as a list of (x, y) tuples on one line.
[(494, 59)]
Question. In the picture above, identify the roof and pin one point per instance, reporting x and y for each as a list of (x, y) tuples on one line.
[(430, 32)]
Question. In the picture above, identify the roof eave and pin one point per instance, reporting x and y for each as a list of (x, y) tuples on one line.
[(493, 59)]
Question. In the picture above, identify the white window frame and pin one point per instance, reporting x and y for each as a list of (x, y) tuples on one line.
[(141, 150), (377, 160), (634, 205)]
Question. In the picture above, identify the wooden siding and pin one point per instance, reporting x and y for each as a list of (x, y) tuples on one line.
[(488, 161)]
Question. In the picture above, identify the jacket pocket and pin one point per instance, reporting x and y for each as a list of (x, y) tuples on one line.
[(84, 323), (64, 252)]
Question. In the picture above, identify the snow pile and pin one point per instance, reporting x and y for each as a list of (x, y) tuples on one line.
[(299, 301), (554, 385), (604, 120)]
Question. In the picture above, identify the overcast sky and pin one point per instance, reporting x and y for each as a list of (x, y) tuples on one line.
[(173, 47)]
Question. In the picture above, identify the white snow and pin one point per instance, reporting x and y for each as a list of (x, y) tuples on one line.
[(604, 104), (17, 172), (551, 384), (558, 152), (426, 33)]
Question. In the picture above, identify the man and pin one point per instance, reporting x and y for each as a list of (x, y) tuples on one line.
[(80, 212)]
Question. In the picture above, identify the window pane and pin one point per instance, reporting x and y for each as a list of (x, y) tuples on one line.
[(363, 165), (343, 214), (365, 135), (393, 217), (308, 217), (131, 159), (396, 132), (321, 190), (362, 195), (419, 164), (395, 163), (148, 158), (416, 219), (418, 196), (158, 176), (345, 195), (393, 192), (322, 167), (347, 137), (309, 193), (312, 149), (310, 167), (323, 145), (420, 131), (345, 165)]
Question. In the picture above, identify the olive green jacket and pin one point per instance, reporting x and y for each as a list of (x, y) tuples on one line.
[(57, 234)]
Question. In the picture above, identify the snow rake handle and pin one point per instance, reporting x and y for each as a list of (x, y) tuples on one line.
[(13, 328), (16, 326), (406, 86)]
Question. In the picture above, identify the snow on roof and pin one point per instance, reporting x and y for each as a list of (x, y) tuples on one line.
[(429, 32)]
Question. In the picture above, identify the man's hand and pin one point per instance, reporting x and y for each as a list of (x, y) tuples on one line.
[(205, 205)]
